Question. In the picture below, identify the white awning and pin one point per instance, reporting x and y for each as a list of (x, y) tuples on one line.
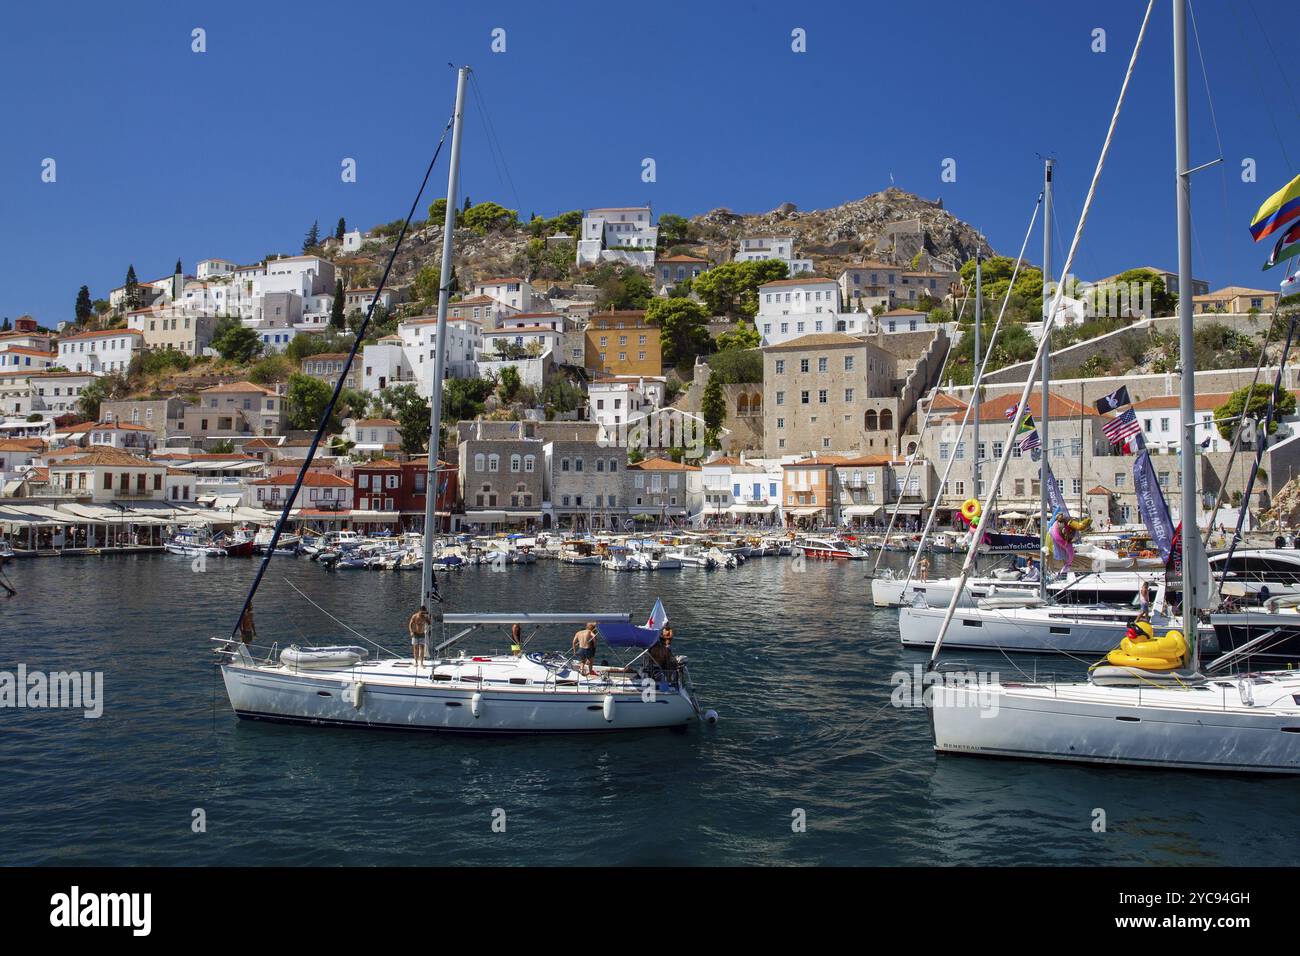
[(805, 512), (375, 515), (752, 509), (485, 516), (911, 509), (862, 511)]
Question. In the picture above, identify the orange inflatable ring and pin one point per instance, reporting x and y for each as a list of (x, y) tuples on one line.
[(970, 510)]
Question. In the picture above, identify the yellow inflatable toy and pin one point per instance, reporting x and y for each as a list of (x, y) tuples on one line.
[(1154, 654), (970, 510)]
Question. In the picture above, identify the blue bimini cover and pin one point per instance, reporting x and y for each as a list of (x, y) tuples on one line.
[(623, 634)]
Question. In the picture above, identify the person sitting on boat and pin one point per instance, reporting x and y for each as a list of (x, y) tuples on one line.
[(661, 652), (584, 648), (1032, 571), (247, 629), (418, 626)]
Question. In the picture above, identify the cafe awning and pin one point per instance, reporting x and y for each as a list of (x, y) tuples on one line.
[(862, 511), (752, 509)]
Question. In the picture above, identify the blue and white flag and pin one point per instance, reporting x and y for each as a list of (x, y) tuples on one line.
[(658, 616), (1151, 504)]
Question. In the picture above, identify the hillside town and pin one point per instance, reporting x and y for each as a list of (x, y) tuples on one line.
[(604, 371)]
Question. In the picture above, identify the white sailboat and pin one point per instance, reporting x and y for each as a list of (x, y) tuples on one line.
[(518, 692), (1129, 715)]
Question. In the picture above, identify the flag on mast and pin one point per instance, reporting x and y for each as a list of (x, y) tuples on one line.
[(1026, 434), (658, 616), (1113, 401), (1122, 427), (1278, 210), (1287, 246)]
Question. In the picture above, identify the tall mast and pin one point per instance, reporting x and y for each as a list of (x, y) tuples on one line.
[(1044, 469), (1187, 355), (975, 433), (440, 346)]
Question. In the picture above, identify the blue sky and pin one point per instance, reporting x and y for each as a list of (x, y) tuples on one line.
[(164, 153)]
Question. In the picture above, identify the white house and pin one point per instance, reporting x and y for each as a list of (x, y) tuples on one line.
[(352, 240), (384, 364), (518, 340), (372, 434), (622, 233), (758, 248), (1161, 421), (615, 400), (108, 351), (208, 268), (419, 344), (513, 291), (789, 308), (57, 393), (321, 491)]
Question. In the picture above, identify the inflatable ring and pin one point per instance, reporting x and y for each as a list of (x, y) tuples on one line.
[(970, 510), (1160, 654)]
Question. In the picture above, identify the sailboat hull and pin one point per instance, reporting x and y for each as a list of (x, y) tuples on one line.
[(1206, 727), (333, 700)]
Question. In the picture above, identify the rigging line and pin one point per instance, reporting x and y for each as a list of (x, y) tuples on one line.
[(1223, 170), (976, 384), (991, 497), (1263, 96), (337, 621), (493, 138), (338, 388), (1281, 71)]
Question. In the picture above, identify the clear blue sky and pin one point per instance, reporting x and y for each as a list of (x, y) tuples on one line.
[(165, 153)]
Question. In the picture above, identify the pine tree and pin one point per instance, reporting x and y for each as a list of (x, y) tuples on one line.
[(337, 320), (7, 325), (132, 288), (313, 237), (467, 204), (84, 310), (341, 228)]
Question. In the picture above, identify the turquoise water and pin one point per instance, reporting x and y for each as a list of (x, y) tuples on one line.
[(797, 663)]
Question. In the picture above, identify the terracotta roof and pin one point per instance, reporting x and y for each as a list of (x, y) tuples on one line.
[(908, 312), (724, 460), (108, 456), (1099, 490), (682, 258), (19, 444), (817, 460), (375, 423), (313, 479), (810, 280), (1207, 401), (995, 409), (662, 464), (868, 460), (26, 351), (813, 341), (944, 400), (386, 463), (499, 281), (99, 335), (262, 443), (236, 387)]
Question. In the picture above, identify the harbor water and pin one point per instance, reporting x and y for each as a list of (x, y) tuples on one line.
[(809, 763)]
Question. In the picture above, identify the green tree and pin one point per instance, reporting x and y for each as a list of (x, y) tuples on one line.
[(673, 230), (340, 229), (272, 368), (510, 383), (226, 447), (737, 366), (732, 288), (438, 212), (412, 412), (425, 284), (234, 342), (463, 398), (683, 329), (84, 309), (337, 321), (312, 239), (1163, 302), (713, 407), (91, 397), (1014, 344), (305, 402), (131, 291), (488, 216), (742, 335), (1227, 415), (560, 396)]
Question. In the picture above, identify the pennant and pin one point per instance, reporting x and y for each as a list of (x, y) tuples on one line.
[(1287, 246), (1278, 210), (1113, 401), (1151, 504)]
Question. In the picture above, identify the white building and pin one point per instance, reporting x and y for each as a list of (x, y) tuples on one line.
[(384, 364), (372, 435), (789, 308), (780, 248), (207, 268), (352, 240), (622, 233), (514, 292), (1161, 421), (408, 357), (108, 351), (615, 401), (741, 490)]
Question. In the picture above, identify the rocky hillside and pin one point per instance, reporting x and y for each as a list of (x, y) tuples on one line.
[(893, 225)]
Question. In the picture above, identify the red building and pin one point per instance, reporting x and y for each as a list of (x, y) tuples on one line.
[(384, 487)]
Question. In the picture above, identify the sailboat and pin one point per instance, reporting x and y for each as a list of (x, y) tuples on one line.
[(1179, 717), (519, 692)]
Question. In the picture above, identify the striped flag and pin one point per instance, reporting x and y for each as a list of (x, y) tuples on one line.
[(1287, 246), (1279, 209), (1122, 427), (1026, 435)]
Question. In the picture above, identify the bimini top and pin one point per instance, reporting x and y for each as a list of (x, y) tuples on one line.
[(625, 634)]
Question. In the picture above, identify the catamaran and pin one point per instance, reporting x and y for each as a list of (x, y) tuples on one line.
[(516, 692)]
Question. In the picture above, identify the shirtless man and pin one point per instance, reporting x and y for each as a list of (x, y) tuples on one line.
[(584, 648), (418, 626)]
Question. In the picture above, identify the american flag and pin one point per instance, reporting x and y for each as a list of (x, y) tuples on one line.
[(1122, 427), (1031, 441)]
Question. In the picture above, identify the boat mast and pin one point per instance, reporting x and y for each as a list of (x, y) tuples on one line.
[(977, 533), (1187, 354), (1044, 469), (427, 597)]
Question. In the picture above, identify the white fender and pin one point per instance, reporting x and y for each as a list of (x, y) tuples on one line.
[(608, 707), (476, 705), (353, 693)]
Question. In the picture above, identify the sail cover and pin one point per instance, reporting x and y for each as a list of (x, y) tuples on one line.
[(621, 634)]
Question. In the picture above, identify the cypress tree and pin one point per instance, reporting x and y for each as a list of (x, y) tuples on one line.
[(313, 237), (84, 310), (336, 310), (341, 228), (132, 289)]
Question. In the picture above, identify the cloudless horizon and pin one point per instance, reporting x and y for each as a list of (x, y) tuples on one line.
[(163, 153)]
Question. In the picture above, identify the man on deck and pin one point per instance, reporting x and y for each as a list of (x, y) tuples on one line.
[(418, 626), (584, 647)]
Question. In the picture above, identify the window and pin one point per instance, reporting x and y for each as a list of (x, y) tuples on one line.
[(821, 364), (494, 462), (780, 366), (803, 365), (848, 395), (945, 450), (821, 396), (803, 397), (515, 463), (480, 462), (848, 363), (530, 462)]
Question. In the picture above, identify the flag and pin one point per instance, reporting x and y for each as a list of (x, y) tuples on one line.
[(1026, 435), (1287, 246), (1113, 401), (1278, 209), (1030, 441), (658, 616), (1055, 497), (1011, 411), (1122, 427), (1151, 504)]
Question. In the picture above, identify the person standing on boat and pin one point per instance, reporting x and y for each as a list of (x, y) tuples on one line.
[(584, 647), (418, 626), (661, 652), (923, 569), (516, 639), (247, 629), (1144, 600)]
